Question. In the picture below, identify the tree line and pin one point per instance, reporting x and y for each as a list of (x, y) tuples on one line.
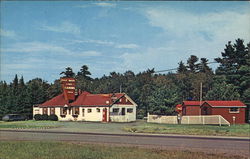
[(153, 92)]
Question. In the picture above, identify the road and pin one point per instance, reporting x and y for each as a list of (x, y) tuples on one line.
[(230, 146)]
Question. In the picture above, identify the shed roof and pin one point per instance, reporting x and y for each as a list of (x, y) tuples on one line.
[(188, 103), (233, 103)]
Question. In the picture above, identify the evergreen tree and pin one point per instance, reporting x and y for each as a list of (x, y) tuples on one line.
[(182, 68), (68, 73), (192, 63)]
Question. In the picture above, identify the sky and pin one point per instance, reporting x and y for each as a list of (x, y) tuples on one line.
[(42, 38)]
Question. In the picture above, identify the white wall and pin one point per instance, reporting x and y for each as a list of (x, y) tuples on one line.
[(128, 117), (94, 115)]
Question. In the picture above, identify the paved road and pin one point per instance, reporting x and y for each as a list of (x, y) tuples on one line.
[(230, 146)]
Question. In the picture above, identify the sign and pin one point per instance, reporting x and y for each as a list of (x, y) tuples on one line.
[(68, 85)]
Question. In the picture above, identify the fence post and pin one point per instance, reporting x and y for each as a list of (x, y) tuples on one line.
[(188, 119), (220, 120), (203, 121)]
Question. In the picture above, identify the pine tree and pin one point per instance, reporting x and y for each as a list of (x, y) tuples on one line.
[(192, 63), (68, 73), (182, 68)]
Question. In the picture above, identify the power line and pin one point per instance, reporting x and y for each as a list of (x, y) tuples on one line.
[(172, 69)]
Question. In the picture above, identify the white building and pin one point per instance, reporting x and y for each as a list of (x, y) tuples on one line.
[(116, 107)]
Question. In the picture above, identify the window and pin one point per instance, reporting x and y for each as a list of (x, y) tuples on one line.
[(115, 110), (89, 110), (75, 110), (52, 111), (45, 110), (98, 110), (130, 110), (83, 110), (234, 110), (63, 111)]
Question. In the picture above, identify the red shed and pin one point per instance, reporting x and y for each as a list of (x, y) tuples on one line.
[(232, 111), (191, 107)]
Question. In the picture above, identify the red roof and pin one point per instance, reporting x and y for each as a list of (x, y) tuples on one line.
[(236, 103), (192, 103), (56, 101), (87, 99)]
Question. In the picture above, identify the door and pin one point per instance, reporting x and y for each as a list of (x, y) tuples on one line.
[(104, 115), (123, 111)]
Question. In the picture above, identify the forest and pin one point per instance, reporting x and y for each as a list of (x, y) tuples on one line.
[(153, 92)]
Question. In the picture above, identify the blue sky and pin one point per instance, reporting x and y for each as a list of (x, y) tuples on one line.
[(40, 39)]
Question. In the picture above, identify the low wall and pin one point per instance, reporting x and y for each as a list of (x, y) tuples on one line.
[(202, 119)]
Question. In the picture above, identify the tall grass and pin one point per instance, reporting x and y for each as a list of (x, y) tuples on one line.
[(64, 150)]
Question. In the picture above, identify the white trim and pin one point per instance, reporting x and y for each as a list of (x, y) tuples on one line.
[(234, 112), (130, 100)]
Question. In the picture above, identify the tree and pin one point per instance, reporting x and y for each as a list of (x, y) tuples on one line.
[(68, 73), (192, 63), (84, 73), (203, 67), (223, 91), (182, 68)]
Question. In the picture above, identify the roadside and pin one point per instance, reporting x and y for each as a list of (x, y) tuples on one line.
[(75, 150), (131, 128)]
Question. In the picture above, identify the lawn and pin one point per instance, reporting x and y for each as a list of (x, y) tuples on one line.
[(234, 130), (66, 150), (30, 124), (135, 127)]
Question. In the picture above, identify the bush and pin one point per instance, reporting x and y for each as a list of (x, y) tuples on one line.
[(38, 117), (44, 117), (53, 117)]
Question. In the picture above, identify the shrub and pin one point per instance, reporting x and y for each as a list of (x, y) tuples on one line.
[(38, 117), (44, 117), (53, 117)]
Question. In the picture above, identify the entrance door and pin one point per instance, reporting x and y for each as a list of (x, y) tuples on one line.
[(104, 115), (123, 111)]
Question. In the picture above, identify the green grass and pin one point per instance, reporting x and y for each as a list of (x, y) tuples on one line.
[(31, 124), (234, 130), (65, 150), (135, 127)]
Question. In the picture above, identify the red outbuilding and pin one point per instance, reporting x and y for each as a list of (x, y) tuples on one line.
[(232, 111), (191, 107)]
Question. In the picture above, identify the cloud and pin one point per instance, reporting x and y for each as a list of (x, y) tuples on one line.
[(8, 33), (106, 43), (126, 46), (32, 47), (89, 53), (184, 33), (105, 4), (64, 27), (222, 25), (98, 42)]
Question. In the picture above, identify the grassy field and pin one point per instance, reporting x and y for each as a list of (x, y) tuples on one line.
[(30, 124), (135, 127), (234, 130), (64, 150)]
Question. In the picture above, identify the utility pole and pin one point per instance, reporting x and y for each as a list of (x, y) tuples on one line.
[(200, 96), (120, 88)]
